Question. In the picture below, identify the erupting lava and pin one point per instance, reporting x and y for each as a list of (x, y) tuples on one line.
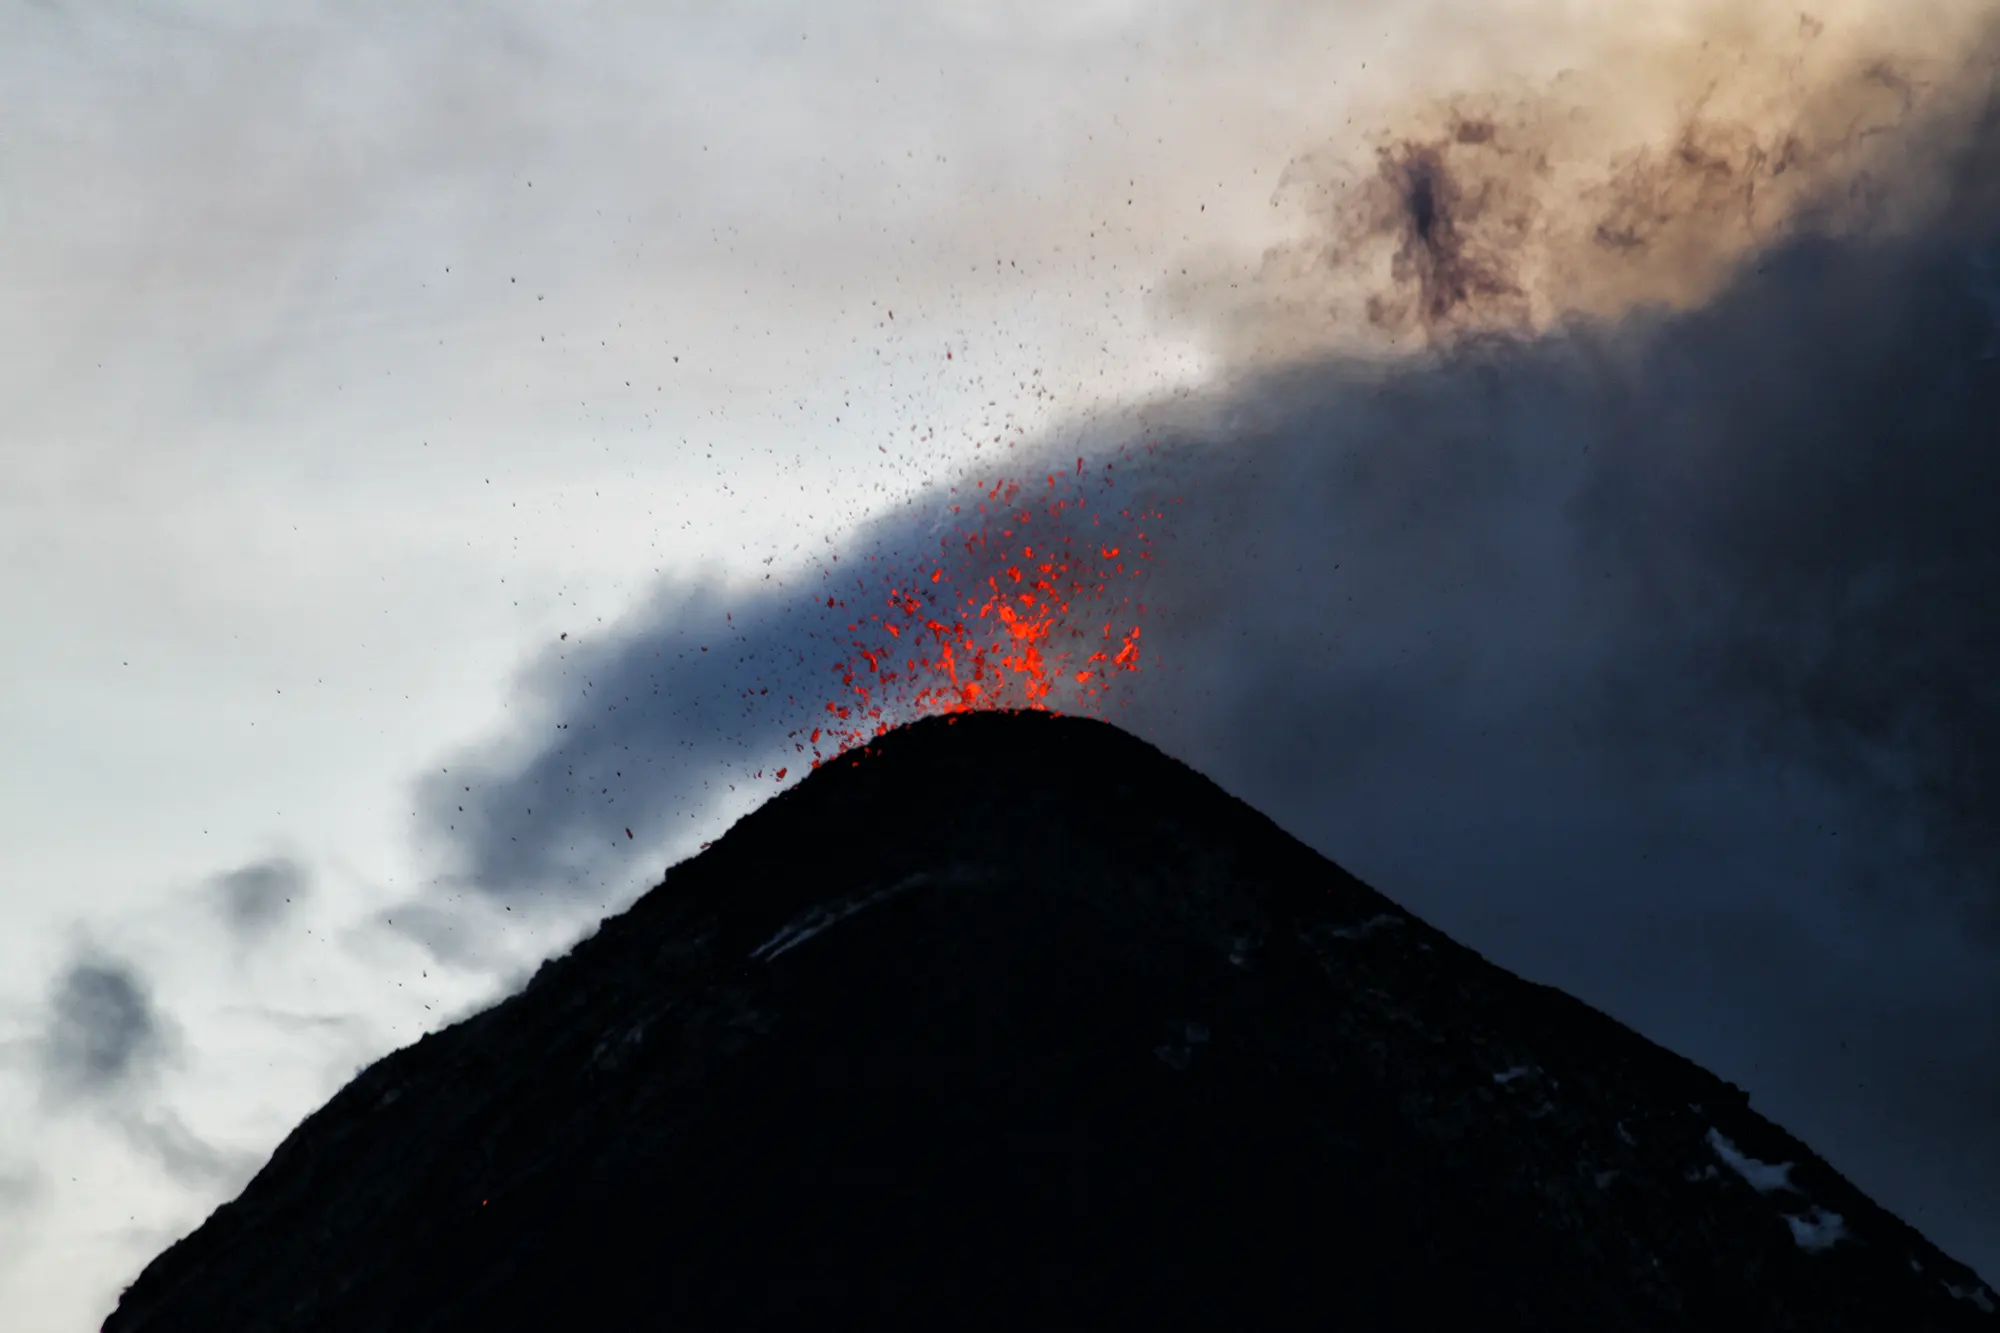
[(1032, 602)]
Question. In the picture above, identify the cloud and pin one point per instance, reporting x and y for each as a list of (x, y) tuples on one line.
[(24, 1192), (21, 1188), (257, 896), (449, 932), (103, 1036), (104, 1043), (185, 1157), (1630, 617)]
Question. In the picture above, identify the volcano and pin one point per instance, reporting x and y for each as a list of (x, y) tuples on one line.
[(1011, 1021)]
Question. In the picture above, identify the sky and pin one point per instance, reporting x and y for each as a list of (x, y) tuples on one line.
[(1567, 431)]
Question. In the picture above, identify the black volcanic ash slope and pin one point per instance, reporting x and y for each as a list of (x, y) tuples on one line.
[(1018, 1023)]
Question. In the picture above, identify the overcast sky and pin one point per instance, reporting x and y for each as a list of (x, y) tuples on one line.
[(373, 372)]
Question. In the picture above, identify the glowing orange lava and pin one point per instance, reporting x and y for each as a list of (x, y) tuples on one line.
[(1032, 604)]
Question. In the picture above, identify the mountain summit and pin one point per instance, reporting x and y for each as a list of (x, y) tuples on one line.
[(1011, 1021)]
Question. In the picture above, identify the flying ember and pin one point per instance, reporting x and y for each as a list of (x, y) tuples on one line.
[(1032, 603)]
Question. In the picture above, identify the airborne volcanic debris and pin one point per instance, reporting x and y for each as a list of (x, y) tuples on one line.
[(961, 1035)]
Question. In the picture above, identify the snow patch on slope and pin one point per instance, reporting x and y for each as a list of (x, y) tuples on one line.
[(1815, 1230)]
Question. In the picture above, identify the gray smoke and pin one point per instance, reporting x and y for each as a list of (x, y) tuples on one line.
[(103, 1044), (255, 897), (103, 1035)]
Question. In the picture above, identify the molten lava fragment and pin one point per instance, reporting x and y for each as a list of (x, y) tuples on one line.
[(1028, 605)]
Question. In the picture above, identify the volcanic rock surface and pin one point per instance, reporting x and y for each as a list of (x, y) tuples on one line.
[(1014, 1022)]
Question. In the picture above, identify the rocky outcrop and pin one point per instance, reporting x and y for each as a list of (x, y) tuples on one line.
[(1014, 1022)]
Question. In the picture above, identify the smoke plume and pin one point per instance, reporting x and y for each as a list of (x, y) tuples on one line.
[(1589, 538)]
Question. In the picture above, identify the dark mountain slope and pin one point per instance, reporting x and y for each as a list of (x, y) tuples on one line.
[(1018, 1023)]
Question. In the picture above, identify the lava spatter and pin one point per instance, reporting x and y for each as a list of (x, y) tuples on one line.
[(1033, 603)]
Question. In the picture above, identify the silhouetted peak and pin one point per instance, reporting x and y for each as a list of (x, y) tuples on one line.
[(1009, 1020)]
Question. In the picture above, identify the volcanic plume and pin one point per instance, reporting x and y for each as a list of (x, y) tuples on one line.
[(1010, 1022), (1589, 536)]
